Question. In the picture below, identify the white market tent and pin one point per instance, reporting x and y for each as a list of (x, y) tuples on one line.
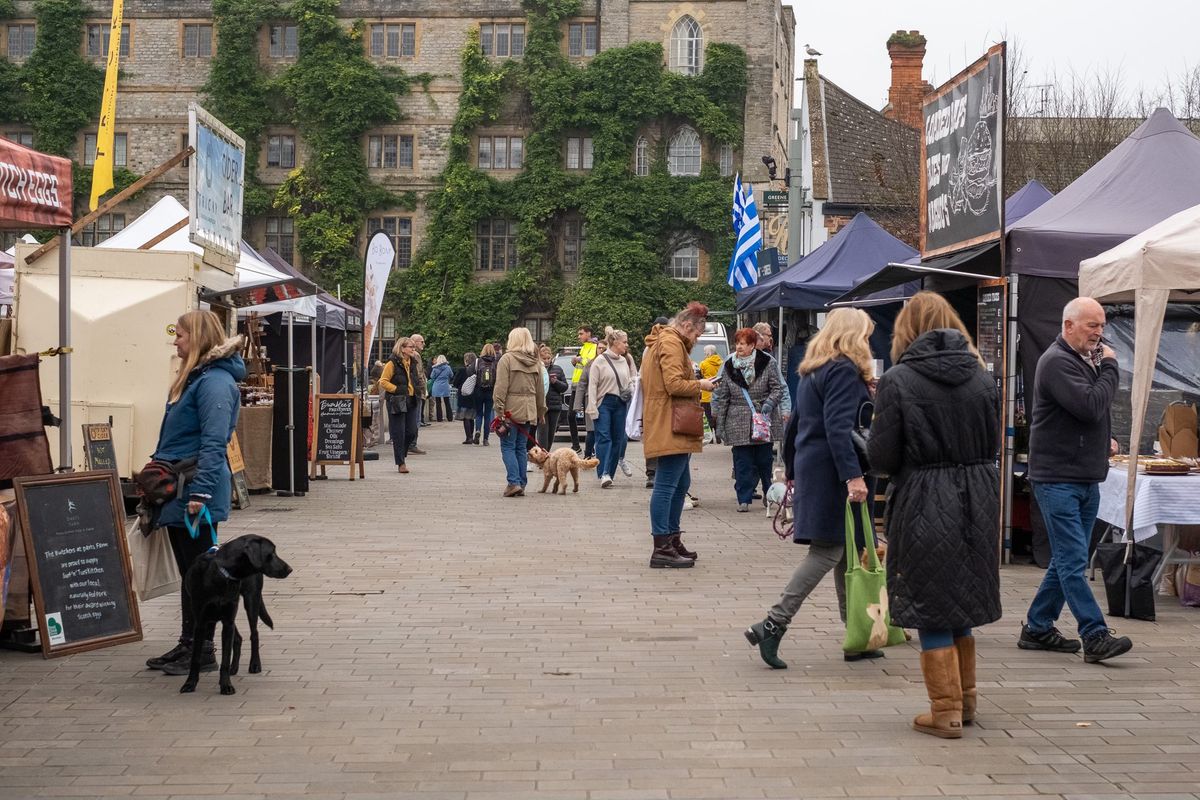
[(1159, 265), (8, 272)]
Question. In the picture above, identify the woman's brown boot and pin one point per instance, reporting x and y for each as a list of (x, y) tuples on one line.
[(944, 685), (966, 668)]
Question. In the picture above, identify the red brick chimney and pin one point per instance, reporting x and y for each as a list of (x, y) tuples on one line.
[(907, 51)]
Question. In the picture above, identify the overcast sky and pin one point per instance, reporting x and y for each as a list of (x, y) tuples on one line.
[(1144, 41)]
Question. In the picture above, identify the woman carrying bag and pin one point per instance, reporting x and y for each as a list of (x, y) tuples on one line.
[(936, 433), (202, 412), (401, 380), (746, 409), (464, 382), (826, 469)]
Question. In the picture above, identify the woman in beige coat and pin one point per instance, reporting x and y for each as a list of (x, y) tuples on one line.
[(669, 383), (520, 402)]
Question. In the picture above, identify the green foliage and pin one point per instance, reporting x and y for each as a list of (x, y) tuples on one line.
[(907, 39), (60, 90), (81, 184), (633, 223), (238, 91), (7, 9), (335, 95)]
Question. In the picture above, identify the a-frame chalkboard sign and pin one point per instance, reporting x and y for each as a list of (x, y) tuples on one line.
[(336, 435), (73, 527)]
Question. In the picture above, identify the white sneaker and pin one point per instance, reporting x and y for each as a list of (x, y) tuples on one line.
[(625, 468), (605, 481)]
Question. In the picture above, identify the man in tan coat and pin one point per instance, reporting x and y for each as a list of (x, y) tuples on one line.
[(672, 427)]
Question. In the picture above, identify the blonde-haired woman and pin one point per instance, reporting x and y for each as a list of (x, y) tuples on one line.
[(943, 517), (439, 379), (520, 402), (202, 412), (609, 389), (485, 388), (403, 390), (833, 386)]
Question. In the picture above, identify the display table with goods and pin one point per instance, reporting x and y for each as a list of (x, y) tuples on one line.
[(254, 436), (1166, 499)]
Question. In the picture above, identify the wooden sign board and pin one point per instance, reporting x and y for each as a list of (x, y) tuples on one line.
[(237, 470), (336, 433), (98, 451), (73, 528)]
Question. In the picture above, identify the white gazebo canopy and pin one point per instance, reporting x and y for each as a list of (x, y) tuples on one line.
[(1159, 265)]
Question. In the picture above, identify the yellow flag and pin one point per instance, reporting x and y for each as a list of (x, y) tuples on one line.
[(102, 170)]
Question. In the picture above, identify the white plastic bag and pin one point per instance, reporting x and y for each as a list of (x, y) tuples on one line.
[(155, 572), (633, 417)]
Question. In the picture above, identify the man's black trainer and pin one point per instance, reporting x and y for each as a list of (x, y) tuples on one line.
[(1048, 640), (1103, 646)]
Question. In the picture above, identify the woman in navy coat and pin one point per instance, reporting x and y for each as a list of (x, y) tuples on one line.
[(834, 377), (202, 412)]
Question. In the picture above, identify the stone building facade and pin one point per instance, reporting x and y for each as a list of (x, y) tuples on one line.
[(171, 42)]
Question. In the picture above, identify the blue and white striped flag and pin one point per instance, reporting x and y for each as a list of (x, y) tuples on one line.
[(743, 266)]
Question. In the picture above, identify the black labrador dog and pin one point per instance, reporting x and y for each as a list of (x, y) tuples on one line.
[(215, 583)]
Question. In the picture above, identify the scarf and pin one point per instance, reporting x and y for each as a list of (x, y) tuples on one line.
[(746, 365)]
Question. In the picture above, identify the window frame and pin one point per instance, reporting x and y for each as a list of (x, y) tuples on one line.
[(725, 159), (377, 145), (280, 235), (641, 157), (279, 160), (584, 155), (512, 145), (102, 29), (197, 26), (120, 147), (679, 254), (572, 243), (674, 158), (490, 42), (402, 242), (20, 25), (284, 27), (487, 239), (402, 27), (19, 137), (584, 27), (686, 53), (90, 235)]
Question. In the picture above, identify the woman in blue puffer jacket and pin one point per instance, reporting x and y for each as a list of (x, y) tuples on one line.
[(201, 415)]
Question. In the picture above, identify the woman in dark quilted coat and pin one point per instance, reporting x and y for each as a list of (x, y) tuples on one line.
[(936, 432)]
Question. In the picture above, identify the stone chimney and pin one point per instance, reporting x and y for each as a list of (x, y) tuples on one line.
[(907, 51)]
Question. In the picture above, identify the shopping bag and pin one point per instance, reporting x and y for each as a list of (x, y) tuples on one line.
[(1187, 581), (868, 620), (1128, 586), (633, 418), (155, 572)]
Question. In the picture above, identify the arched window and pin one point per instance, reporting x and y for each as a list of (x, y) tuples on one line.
[(685, 263), (687, 47), (641, 157), (683, 153), (726, 160)]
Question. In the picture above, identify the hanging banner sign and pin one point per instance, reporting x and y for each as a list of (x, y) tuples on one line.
[(380, 255), (216, 180), (962, 159), (35, 189)]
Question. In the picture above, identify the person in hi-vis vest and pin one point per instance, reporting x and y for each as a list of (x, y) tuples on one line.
[(587, 352)]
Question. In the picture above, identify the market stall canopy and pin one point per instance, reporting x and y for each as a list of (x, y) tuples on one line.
[(1159, 265), (330, 310), (1148, 177), (8, 272), (979, 262), (256, 279), (856, 251)]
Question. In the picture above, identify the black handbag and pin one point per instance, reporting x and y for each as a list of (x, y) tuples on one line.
[(1129, 586), (397, 403), (860, 437)]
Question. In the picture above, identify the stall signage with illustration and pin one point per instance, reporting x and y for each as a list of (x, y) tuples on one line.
[(962, 156), (74, 533), (216, 177)]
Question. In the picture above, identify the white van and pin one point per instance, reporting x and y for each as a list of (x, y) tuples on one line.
[(714, 334)]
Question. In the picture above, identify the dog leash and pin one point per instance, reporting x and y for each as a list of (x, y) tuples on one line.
[(193, 527), (518, 426)]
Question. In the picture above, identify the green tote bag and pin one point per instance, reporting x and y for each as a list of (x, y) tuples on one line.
[(868, 621)]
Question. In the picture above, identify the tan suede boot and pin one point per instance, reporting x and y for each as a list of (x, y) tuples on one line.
[(966, 668), (944, 684)]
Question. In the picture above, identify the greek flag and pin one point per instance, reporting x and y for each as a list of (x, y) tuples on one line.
[(743, 267)]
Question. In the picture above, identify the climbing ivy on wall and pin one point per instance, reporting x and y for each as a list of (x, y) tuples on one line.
[(633, 223)]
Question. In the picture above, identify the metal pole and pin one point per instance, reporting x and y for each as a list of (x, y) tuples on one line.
[(796, 186), (1010, 416), (65, 463), (312, 385), (291, 409)]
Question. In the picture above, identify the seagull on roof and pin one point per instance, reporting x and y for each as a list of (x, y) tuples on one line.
[(812, 51)]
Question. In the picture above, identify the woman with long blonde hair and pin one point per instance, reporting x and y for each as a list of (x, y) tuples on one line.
[(937, 433), (520, 401), (202, 411), (485, 386), (401, 384), (834, 376)]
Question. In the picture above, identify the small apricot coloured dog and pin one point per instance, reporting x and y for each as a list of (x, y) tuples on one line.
[(556, 464)]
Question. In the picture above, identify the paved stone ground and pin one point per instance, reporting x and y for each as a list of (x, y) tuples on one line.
[(436, 641)]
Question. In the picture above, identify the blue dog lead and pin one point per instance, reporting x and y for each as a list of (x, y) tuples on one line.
[(193, 527)]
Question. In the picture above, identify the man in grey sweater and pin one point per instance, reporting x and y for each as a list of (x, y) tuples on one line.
[(1073, 390)]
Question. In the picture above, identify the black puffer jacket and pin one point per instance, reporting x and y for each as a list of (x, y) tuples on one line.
[(936, 432)]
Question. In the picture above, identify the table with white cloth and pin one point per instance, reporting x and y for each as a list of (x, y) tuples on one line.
[(1162, 504)]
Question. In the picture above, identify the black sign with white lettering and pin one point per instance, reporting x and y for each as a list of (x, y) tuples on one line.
[(336, 425), (962, 159), (98, 446), (75, 537)]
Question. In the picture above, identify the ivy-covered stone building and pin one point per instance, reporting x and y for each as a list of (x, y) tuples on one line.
[(533, 160)]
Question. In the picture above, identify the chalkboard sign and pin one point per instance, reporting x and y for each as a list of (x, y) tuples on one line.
[(989, 329), (74, 533), (98, 449), (336, 433)]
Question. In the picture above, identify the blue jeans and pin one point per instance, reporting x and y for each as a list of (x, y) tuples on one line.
[(751, 467), (672, 479), (610, 433), (515, 453), (484, 416), (937, 638), (1069, 510)]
